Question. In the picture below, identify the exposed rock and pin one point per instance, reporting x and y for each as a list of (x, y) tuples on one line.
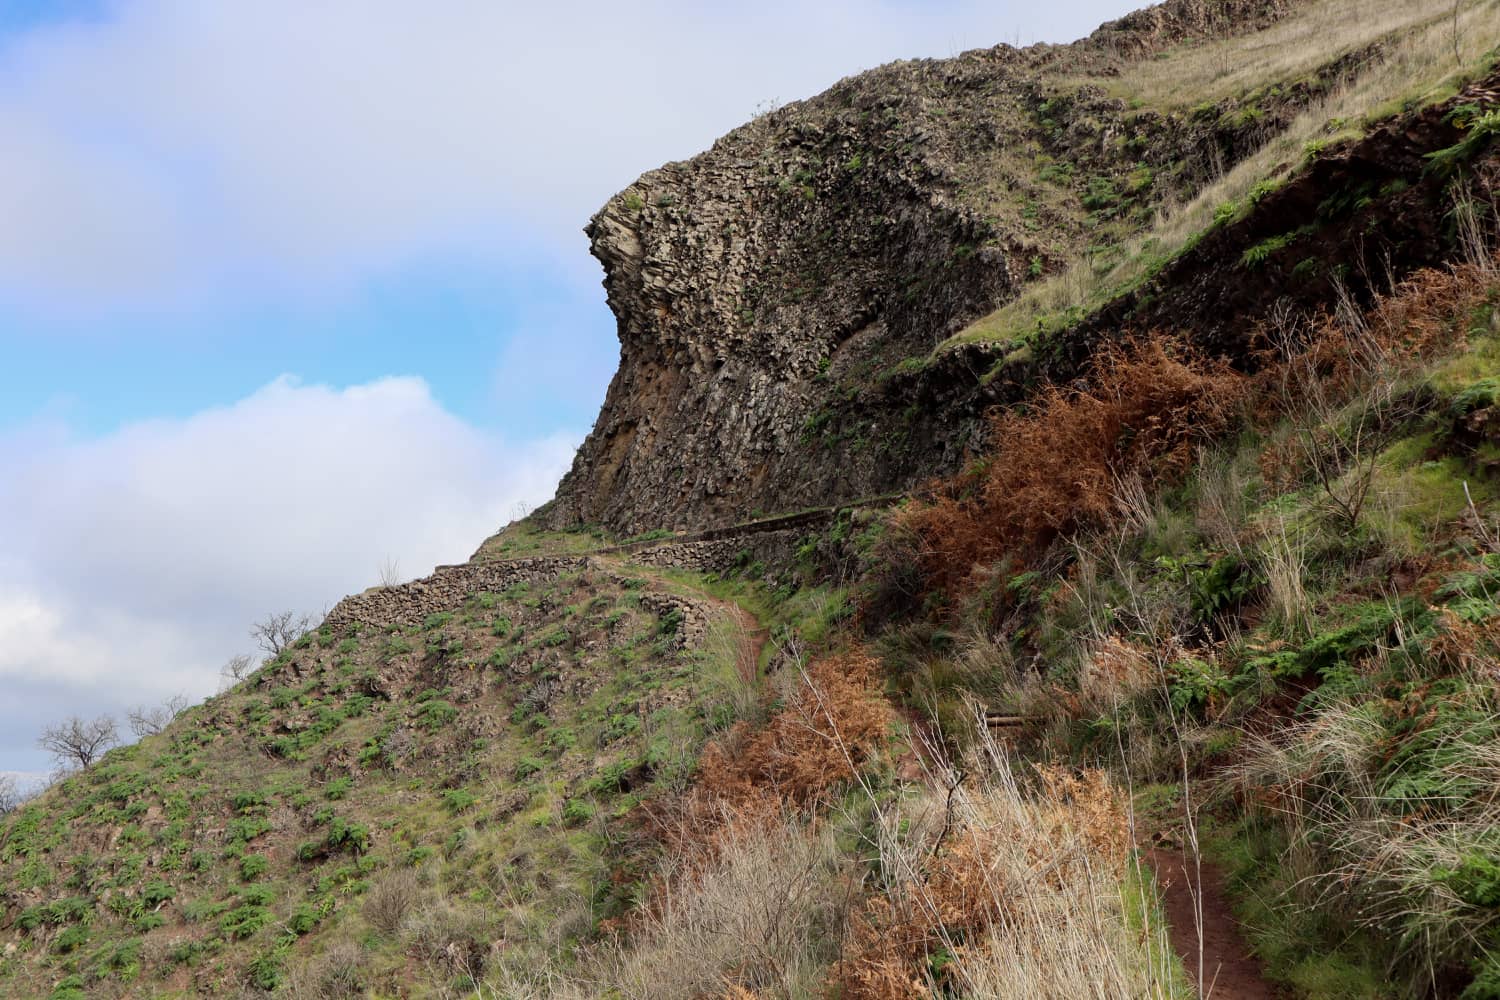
[(812, 249), (446, 589), (450, 586)]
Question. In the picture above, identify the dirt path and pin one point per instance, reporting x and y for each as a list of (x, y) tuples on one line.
[(753, 639), (1229, 971)]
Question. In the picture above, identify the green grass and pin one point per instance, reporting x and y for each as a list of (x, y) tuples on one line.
[(1145, 914), (286, 852)]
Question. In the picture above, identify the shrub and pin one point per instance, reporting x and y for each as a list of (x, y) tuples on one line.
[(247, 828), (452, 938), (265, 971), (1056, 465), (71, 988), (434, 713), (391, 900), (577, 811), (835, 722), (302, 920), (1387, 813), (157, 891), (458, 800), (956, 875), (337, 974), (763, 915), (73, 909), (343, 835), (70, 940)]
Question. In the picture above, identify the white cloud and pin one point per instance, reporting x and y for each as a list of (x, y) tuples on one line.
[(146, 554), (177, 150)]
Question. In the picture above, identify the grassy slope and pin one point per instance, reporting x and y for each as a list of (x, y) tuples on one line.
[(491, 750), (1422, 55), (1324, 683), (404, 814)]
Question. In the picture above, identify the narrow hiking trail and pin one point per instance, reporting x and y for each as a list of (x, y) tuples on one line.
[(753, 639), (1194, 895), (753, 635)]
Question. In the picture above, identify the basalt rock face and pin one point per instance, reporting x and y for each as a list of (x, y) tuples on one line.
[(782, 271)]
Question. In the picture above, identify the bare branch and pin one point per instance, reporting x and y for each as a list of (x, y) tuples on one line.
[(148, 720), (75, 742), (10, 795), (236, 669), (275, 633)]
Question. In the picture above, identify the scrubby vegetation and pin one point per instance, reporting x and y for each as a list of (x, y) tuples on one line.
[(1238, 605), (383, 792), (1299, 622)]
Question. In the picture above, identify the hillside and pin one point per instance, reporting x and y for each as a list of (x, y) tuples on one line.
[(786, 300), (1047, 518)]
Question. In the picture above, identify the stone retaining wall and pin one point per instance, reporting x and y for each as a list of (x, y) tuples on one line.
[(722, 554), (446, 589), (450, 586)]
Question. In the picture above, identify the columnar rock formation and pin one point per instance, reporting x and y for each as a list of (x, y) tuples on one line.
[(814, 249)]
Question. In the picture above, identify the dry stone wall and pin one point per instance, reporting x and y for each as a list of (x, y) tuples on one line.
[(449, 587), (446, 589), (723, 554)]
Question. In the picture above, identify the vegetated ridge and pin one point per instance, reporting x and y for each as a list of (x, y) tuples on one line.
[(1043, 540)]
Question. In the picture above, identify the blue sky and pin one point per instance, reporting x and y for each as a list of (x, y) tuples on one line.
[(290, 289)]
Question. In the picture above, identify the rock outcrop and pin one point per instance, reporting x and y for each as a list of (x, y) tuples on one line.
[(811, 251)]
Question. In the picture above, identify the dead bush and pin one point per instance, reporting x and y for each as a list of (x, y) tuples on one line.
[(1016, 889), (833, 724), (1115, 671), (1057, 465), (388, 904), (1341, 379), (762, 918), (1468, 648), (451, 939), (336, 974)]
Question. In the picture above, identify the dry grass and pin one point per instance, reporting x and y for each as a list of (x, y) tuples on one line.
[(1420, 63), (1092, 457), (337, 974), (1115, 672), (1411, 862), (387, 905), (1420, 37), (1223, 499), (1284, 561), (755, 889), (451, 939), (996, 890), (765, 915)]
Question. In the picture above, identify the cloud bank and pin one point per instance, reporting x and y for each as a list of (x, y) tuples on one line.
[(146, 554), (176, 151)]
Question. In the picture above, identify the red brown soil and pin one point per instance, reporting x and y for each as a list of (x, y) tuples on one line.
[(1228, 970)]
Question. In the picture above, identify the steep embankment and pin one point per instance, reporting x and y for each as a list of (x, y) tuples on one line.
[(487, 726), (495, 779), (780, 297), (825, 242)]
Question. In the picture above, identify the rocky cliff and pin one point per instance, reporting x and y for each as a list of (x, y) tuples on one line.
[(811, 251)]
